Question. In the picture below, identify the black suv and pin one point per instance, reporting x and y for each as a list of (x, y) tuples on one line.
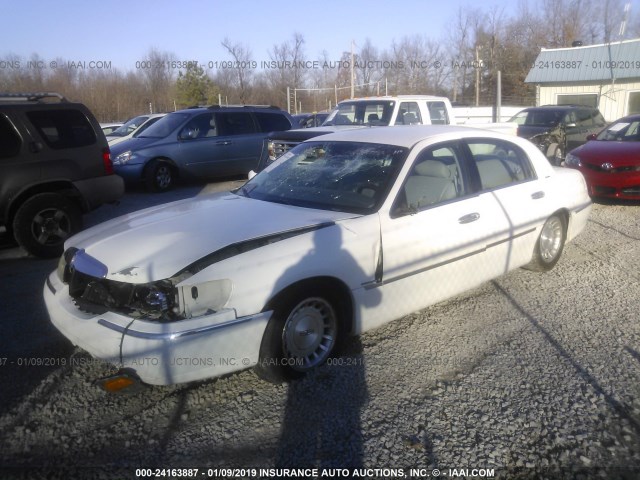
[(54, 165), (558, 129), (204, 142)]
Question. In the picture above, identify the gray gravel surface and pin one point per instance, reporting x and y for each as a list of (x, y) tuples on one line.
[(535, 375)]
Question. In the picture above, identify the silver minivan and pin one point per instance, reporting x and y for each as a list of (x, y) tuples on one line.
[(205, 142)]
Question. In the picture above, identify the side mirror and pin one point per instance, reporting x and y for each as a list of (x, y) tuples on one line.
[(592, 136), (187, 134)]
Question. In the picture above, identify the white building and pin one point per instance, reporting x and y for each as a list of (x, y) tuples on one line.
[(606, 76)]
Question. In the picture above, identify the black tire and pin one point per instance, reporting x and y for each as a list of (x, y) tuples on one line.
[(301, 335), (43, 223), (550, 244), (159, 176)]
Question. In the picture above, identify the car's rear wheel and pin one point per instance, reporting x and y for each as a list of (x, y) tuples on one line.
[(159, 176), (43, 223), (300, 336), (550, 244)]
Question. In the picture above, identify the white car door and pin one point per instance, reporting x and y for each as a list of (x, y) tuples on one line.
[(435, 237), (506, 173)]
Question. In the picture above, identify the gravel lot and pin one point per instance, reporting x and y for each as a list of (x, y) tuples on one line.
[(533, 375)]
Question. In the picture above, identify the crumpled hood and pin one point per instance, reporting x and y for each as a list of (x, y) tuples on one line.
[(156, 243)]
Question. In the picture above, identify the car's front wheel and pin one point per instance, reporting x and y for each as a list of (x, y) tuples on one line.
[(300, 336), (550, 244), (43, 223), (159, 176)]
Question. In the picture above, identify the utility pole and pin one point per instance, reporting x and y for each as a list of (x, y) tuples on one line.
[(499, 97), (352, 74), (288, 99), (477, 67)]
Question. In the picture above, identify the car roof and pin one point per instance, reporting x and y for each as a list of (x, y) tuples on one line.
[(32, 97), (392, 97), (557, 107), (628, 118), (409, 135), (258, 108)]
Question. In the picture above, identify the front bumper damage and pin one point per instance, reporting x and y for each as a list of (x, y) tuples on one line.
[(160, 353)]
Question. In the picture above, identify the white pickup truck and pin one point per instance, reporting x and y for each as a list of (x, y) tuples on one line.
[(372, 112)]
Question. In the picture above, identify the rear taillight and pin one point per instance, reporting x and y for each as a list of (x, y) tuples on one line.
[(106, 160)]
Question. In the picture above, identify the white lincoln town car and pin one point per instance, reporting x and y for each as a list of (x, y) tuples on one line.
[(342, 234)]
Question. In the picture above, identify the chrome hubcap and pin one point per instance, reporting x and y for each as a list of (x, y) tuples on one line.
[(309, 333), (163, 177), (551, 239), (51, 226)]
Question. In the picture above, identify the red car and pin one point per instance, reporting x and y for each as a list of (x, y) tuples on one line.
[(611, 161)]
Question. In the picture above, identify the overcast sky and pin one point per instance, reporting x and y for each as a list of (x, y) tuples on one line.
[(122, 32)]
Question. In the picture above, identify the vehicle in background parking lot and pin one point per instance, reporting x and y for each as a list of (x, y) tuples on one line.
[(372, 112), (309, 120), (107, 128), (205, 142), (611, 161), (557, 129), (342, 234), (54, 166), (133, 127)]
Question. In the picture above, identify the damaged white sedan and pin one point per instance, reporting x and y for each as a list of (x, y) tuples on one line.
[(340, 235)]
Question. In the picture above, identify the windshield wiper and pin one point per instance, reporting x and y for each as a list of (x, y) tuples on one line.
[(244, 190)]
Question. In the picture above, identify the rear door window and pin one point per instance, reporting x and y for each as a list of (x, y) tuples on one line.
[(235, 123), (438, 113), (585, 118), (272, 122), (499, 163), (409, 114), (63, 128), (10, 141)]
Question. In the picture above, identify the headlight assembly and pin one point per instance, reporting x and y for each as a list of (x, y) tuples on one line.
[(154, 298), (572, 160), (167, 300), (124, 158)]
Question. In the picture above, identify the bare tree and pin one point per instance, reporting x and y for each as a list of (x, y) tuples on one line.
[(160, 75), (412, 64), (613, 14), (369, 68), (633, 24), (290, 62), (462, 39), (241, 56), (13, 77)]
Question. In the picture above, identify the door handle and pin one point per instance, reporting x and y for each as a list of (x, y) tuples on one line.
[(471, 217), (35, 147), (537, 195), (223, 142)]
